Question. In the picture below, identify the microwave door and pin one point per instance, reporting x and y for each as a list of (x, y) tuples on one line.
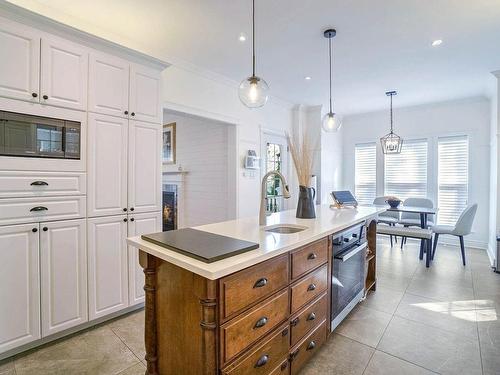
[(17, 137)]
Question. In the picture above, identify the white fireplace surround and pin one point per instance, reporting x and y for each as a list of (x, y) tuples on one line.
[(177, 178)]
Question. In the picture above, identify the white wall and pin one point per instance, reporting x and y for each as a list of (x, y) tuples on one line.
[(202, 151), (494, 172), (470, 117)]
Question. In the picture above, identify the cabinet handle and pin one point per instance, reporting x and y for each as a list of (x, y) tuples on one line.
[(261, 322), (38, 208), (295, 322), (132, 219), (131, 208), (125, 210), (125, 220), (294, 354), (262, 361), (311, 287), (284, 332), (45, 97), (34, 230), (284, 365), (312, 256), (133, 113), (260, 283), (45, 229), (311, 345), (39, 183), (311, 316), (126, 112), (34, 94)]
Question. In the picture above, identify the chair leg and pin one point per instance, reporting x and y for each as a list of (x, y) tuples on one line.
[(436, 237), (462, 248), (421, 256), (391, 239), (402, 242), (428, 251)]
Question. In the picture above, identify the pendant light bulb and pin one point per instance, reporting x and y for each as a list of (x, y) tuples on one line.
[(332, 122), (253, 91)]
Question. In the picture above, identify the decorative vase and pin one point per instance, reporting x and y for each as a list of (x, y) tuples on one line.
[(305, 206)]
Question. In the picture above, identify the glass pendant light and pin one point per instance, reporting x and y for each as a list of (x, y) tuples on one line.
[(253, 91), (331, 121), (391, 143)]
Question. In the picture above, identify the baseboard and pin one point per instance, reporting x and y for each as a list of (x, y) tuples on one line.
[(492, 255)]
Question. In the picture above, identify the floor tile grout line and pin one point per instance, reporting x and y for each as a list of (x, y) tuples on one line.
[(124, 343), (405, 360)]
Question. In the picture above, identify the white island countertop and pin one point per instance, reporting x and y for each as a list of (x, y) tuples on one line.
[(328, 220)]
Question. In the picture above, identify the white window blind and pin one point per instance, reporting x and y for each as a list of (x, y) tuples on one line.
[(453, 178), (406, 173), (365, 172)]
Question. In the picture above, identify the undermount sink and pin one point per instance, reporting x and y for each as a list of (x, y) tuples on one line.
[(285, 228)]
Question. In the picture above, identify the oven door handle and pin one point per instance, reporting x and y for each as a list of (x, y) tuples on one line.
[(350, 254)]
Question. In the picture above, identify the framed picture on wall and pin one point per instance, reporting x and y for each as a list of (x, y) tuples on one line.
[(169, 143)]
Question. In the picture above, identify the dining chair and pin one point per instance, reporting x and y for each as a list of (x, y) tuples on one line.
[(462, 228), (389, 217), (410, 219)]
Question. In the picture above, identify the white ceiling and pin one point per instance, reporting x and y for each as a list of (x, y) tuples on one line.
[(380, 45)]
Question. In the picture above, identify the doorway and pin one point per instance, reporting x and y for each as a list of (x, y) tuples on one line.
[(275, 158)]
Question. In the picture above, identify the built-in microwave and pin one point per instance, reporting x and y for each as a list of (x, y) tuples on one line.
[(25, 135)]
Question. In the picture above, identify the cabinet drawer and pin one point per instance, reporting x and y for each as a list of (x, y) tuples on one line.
[(308, 319), (33, 184), (309, 257), (309, 288), (265, 357), (251, 285), (303, 352), (31, 210), (242, 331), (282, 369)]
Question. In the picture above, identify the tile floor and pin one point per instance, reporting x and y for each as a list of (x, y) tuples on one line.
[(420, 321)]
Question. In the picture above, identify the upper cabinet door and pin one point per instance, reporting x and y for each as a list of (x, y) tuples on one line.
[(20, 291), (144, 167), (63, 264), (145, 86), (20, 61), (107, 165), (108, 85), (64, 74)]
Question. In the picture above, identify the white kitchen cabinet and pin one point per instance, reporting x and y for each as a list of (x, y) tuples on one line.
[(63, 265), (20, 286), (108, 85), (139, 224), (144, 166), (107, 265), (144, 98), (64, 73), (107, 165)]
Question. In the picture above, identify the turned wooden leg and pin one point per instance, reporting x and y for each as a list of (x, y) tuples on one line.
[(148, 263)]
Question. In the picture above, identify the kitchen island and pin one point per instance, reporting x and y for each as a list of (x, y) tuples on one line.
[(265, 311)]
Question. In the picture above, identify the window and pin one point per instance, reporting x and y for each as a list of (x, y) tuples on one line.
[(406, 173), (274, 155), (453, 178), (365, 172)]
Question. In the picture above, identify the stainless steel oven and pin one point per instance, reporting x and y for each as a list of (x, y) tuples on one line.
[(348, 271), (35, 136)]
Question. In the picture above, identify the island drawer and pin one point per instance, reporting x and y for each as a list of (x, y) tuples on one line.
[(307, 319), (309, 257), (310, 287), (265, 357), (251, 285), (242, 331), (303, 352)]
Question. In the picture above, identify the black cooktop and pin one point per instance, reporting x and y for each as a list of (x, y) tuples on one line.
[(205, 246)]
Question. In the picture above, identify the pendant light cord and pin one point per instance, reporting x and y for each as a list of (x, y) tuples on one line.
[(253, 38), (391, 115), (330, 56)]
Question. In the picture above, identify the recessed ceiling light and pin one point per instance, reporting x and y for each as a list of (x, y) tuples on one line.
[(437, 42), (242, 37), (307, 78)]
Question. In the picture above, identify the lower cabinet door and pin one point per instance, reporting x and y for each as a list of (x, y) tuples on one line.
[(107, 265), (139, 224), (63, 265), (19, 285)]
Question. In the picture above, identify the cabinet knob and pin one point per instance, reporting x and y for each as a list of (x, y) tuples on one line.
[(261, 322), (311, 345), (131, 208), (294, 322), (311, 287), (126, 112), (133, 113), (260, 283), (262, 361), (45, 97), (312, 256), (311, 316), (34, 94), (132, 219), (125, 209), (39, 183), (45, 229), (294, 354), (125, 220), (284, 365), (34, 230)]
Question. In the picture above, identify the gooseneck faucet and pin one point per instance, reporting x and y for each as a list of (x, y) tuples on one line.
[(263, 194)]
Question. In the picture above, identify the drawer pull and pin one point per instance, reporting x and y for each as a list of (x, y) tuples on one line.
[(261, 322), (39, 183), (284, 365), (311, 316), (294, 322), (38, 208), (260, 283), (284, 332), (311, 287), (262, 361), (311, 345), (294, 354), (312, 256)]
